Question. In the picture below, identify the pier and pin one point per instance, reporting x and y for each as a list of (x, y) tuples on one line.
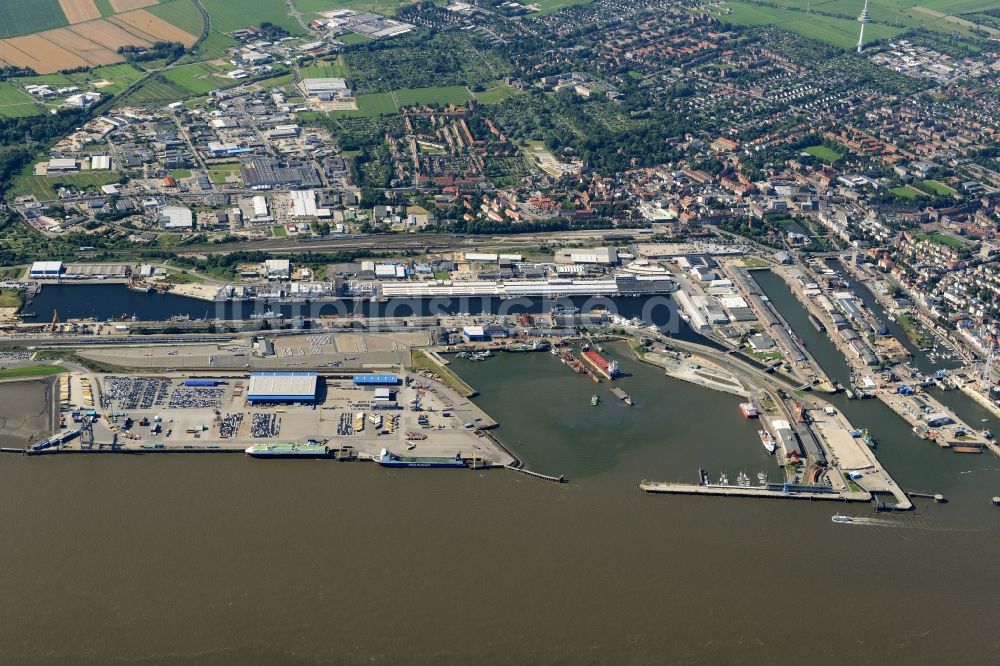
[(537, 475), (771, 491)]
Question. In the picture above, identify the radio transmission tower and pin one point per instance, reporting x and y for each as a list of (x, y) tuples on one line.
[(863, 19)]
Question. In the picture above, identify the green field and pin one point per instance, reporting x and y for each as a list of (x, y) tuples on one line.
[(23, 17), (821, 152), (228, 15), (908, 192), (496, 93), (198, 78), (839, 32), (549, 6), (944, 239), (217, 173), (387, 7), (438, 95), (15, 103), (28, 371), (43, 187), (326, 70), (182, 13), (157, 91), (936, 187)]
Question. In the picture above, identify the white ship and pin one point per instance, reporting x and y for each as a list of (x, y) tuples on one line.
[(767, 440), (844, 520)]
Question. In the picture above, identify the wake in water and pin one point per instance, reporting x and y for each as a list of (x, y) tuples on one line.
[(902, 523)]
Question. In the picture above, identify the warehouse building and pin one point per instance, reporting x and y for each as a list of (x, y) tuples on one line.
[(46, 269), (270, 387)]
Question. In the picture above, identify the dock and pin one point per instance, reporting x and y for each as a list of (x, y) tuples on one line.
[(544, 477), (771, 491)]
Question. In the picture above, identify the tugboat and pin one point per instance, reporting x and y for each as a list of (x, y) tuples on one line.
[(867, 438), (594, 400)]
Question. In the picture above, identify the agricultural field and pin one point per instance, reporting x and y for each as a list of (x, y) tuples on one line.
[(228, 15), (839, 32), (44, 187), (824, 153), (24, 17), (157, 91), (15, 103), (181, 13), (434, 95)]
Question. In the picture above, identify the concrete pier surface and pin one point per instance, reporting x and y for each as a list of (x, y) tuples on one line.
[(773, 491)]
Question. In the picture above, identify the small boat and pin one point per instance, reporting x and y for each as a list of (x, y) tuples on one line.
[(843, 520), (594, 400), (767, 440)]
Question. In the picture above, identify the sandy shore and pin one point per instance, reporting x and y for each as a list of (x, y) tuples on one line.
[(27, 411)]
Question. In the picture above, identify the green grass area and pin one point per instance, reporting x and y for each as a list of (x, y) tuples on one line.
[(15, 103), (217, 173), (945, 239), (908, 192), (549, 6), (419, 360), (755, 262), (494, 94), (353, 38), (120, 76), (836, 31), (157, 91), (23, 17), (44, 187), (29, 371), (11, 298), (386, 7), (936, 187), (376, 104), (437, 95), (181, 173), (279, 231), (228, 15), (326, 69), (913, 332), (821, 152), (198, 78), (183, 14)]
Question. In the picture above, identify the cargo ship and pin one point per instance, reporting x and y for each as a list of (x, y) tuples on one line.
[(767, 440), (289, 451), (386, 459), (749, 410), (622, 395), (605, 367)]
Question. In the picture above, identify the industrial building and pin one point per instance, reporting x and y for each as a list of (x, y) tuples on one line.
[(605, 256), (46, 269), (269, 387), (326, 89), (264, 173), (176, 218)]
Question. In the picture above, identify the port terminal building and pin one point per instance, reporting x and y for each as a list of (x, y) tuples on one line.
[(272, 387), (376, 380)]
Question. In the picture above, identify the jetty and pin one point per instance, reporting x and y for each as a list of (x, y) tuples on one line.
[(537, 475), (772, 491)]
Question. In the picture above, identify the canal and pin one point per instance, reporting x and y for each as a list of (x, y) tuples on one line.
[(914, 463)]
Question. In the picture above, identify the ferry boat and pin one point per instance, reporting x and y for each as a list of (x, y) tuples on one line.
[(843, 520), (767, 440), (386, 459), (749, 410), (595, 400), (289, 451)]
